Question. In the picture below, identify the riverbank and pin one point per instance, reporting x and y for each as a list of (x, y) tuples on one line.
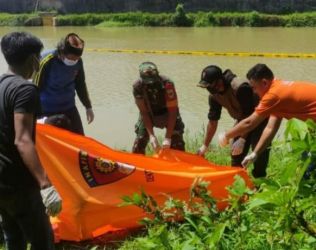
[(176, 19)]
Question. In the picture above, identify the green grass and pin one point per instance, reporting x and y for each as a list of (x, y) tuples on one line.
[(114, 24)]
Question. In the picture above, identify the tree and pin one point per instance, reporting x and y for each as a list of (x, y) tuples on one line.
[(180, 18)]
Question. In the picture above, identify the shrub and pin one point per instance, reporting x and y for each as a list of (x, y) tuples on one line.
[(180, 18)]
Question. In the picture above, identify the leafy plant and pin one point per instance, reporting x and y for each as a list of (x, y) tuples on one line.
[(180, 18), (279, 214)]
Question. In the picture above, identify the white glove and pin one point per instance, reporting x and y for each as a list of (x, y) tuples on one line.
[(249, 159), (222, 139), (41, 120), (202, 150), (154, 143), (166, 143), (238, 146), (51, 200), (90, 115)]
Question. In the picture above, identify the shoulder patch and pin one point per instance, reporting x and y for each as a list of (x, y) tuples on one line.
[(169, 85), (170, 91), (171, 94)]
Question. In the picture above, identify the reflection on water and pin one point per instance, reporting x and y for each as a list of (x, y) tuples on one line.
[(110, 75)]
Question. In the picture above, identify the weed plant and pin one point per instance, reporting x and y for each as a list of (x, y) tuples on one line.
[(280, 214)]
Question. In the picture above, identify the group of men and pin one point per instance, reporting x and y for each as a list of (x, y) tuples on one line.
[(257, 104), (27, 197)]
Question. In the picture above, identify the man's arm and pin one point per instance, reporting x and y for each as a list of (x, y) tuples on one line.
[(23, 125), (214, 115), (210, 132), (172, 117), (83, 94), (265, 139), (145, 115), (41, 74), (245, 126), (172, 105), (82, 90), (24, 103), (268, 134)]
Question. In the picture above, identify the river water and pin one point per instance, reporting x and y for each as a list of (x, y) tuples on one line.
[(110, 75)]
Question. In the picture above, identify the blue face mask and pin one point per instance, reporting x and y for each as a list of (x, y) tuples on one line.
[(69, 62)]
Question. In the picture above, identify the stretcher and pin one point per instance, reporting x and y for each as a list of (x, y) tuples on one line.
[(92, 179)]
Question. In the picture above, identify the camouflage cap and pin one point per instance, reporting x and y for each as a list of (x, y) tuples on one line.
[(148, 72)]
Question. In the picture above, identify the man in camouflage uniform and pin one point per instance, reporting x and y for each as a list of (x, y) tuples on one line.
[(156, 99)]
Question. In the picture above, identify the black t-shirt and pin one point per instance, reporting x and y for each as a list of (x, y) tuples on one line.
[(17, 95)]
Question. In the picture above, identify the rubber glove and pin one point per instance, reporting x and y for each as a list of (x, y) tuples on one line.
[(222, 139), (51, 200), (90, 115), (166, 143), (238, 146), (249, 159), (202, 150), (154, 143)]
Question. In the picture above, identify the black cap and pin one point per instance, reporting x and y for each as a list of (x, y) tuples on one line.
[(210, 74)]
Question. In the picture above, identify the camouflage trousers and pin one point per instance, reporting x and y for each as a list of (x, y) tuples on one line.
[(161, 121)]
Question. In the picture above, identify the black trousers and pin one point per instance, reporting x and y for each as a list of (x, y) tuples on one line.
[(74, 117), (24, 220), (260, 165)]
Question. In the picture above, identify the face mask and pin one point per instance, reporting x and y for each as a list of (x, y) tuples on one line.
[(150, 79), (69, 62), (212, 88)]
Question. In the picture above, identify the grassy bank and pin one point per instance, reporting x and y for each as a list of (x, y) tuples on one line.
[(280, 214), (201, 19), (17, 19), (177, 19)]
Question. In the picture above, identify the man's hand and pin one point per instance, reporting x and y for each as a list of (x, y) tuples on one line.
[(51, 200), (238, 146), (222, 139), (90, 115), (154, 143), (166, 143), (249, 159), (202, 150)]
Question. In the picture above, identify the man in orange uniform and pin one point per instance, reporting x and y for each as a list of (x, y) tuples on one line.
[(279, 99)]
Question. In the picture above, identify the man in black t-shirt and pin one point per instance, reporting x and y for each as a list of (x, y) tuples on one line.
[(26, 194), (237, 97)]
